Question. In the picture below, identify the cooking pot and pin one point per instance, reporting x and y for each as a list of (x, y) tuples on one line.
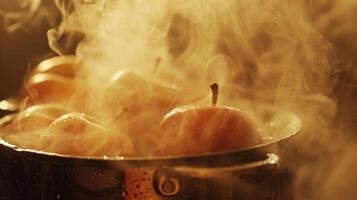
[(251, 173)]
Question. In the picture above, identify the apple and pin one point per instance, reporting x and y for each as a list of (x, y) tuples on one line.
[(190, 130), (128, 90), (60, 65), (49, 88), (52, 80), (37, 117), (80, 134), (136, 105)]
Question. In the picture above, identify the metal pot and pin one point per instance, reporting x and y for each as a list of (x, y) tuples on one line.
[(251, 173)]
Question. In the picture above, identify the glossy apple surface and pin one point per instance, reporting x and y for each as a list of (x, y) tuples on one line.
[(80, 134), (136, 105), (190, 130), (37, 117)]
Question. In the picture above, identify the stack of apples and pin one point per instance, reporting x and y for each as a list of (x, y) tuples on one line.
[(147, 117)]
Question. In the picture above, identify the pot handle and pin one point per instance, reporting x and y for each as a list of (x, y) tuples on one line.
[(167, 178)]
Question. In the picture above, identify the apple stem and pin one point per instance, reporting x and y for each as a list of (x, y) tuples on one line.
[(214, 90)]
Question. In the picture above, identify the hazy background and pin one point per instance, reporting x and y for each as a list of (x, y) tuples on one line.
[(23, 47)]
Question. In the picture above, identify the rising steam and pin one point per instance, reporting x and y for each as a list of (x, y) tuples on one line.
[(264, 54), (261, 52), (22, 13)]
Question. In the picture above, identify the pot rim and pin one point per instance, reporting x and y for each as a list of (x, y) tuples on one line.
[(258, 147)]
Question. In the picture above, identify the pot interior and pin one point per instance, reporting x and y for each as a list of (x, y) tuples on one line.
[(279, 127)]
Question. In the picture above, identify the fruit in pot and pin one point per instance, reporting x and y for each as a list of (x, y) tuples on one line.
[(51, 81), (42, 88), (136, 106), (26, 127), (189, 130), (80, 134), (60, 65), (37, 117), (128, 90)]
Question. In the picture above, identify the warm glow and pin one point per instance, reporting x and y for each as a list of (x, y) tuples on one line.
[(140, 61)]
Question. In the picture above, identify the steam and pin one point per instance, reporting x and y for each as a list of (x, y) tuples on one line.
[(18, 17), (255, 51), (27, 15), (264, 54)]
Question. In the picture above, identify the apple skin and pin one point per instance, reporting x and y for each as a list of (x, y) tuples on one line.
[(53, 80), (45, 87), (130, 91), (136, 105), (81, 135), (60, 65), (37, 117), (192, 130)]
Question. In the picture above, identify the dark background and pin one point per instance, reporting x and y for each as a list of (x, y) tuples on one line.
[(23, 48)]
